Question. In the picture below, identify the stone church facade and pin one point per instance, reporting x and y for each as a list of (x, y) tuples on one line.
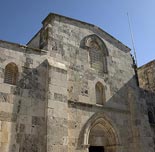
[(74, 88)]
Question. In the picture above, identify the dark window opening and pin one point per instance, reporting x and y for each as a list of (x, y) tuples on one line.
[(11, 73), (100, 94)]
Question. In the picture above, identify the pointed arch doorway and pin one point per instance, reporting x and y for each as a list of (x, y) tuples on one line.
[(97, 139), (100, 135)]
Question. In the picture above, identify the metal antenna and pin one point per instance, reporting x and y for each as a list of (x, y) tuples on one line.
[(132, 38)]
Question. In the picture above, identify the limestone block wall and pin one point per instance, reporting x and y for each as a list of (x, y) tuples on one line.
[(22, 106), (53, 107), (146, 81), (57, 109), (79, 115), (63, 42), (146, 75), (62, 38)]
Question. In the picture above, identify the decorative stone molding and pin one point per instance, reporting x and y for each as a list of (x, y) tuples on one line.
[(93, 41), (108, 128)]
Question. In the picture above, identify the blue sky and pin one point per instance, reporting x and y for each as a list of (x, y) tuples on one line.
[(21, 19)]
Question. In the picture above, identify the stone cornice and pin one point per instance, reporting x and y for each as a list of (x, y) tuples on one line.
[(76, 104)]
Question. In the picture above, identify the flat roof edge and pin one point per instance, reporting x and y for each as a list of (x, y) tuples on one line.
[(147, 64), (22, 46)]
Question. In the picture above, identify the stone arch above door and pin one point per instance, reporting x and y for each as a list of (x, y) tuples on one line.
[(100, 121)]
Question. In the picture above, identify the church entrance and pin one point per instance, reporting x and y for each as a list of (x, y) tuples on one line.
[(99, 135), (96, 149)]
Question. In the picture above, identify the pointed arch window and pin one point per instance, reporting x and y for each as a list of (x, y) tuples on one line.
[(96, 56), (11, 74), (97, 52), (100, 93)]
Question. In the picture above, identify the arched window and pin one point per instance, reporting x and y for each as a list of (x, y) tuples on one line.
[(97, 52), (11, 73), (96, 57), (151, 118), (100, 93)]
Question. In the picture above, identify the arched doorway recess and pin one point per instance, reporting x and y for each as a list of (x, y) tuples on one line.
[(99, 135)]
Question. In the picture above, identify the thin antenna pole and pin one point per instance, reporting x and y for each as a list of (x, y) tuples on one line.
[(132, 38)]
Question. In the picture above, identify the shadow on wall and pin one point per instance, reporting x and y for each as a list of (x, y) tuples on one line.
[(128, 101), (150, 98), (23, 126)]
